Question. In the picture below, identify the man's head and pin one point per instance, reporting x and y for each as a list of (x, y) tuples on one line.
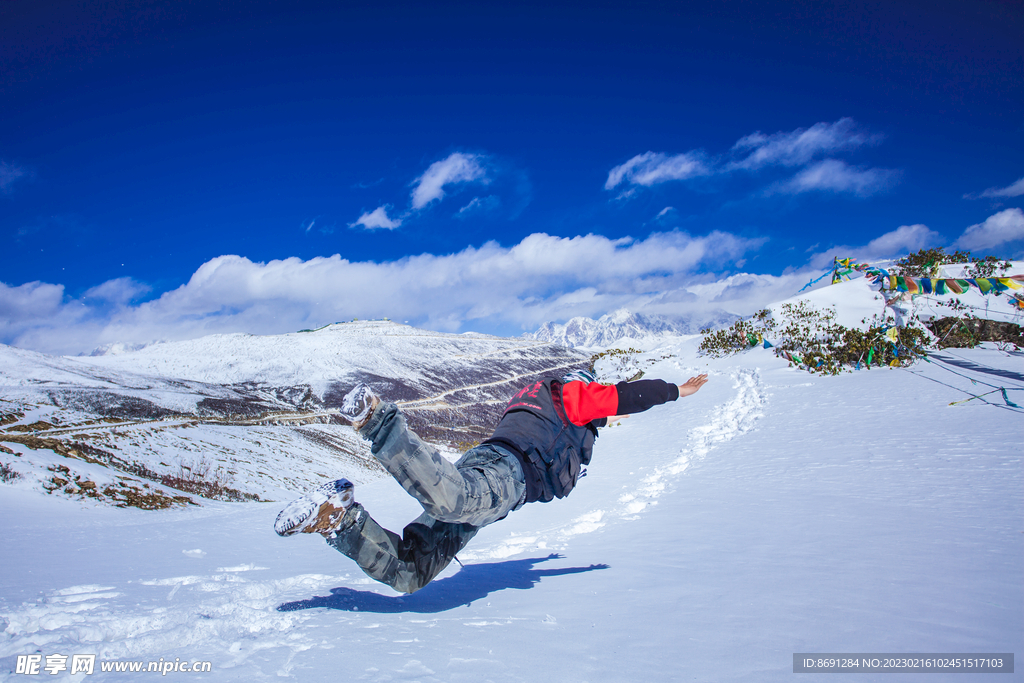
[(579, 376)]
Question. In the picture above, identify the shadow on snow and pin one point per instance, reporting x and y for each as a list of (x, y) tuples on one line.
[(472, 582), (975, 367)]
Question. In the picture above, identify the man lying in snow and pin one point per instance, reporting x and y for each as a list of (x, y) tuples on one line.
[(545, 436)]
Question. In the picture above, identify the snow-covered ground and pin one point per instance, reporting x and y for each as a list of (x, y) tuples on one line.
[(774, 512)]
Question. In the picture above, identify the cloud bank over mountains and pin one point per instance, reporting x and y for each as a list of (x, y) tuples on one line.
[(486, 288), (491, 288)]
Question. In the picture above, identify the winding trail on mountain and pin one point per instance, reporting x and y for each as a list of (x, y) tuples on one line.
[(424, 403)]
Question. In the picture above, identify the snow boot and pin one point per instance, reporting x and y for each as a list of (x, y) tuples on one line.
[(358, 405), (317, 511)]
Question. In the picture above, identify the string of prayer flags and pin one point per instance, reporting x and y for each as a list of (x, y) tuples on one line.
[(845, 267), (1001, 390), (931, 285)]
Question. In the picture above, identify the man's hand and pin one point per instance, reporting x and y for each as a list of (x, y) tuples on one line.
[(692, 385)]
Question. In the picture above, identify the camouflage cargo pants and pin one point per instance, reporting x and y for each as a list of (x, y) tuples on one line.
[(482, 487)]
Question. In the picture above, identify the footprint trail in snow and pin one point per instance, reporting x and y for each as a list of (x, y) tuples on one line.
[(729, 421)]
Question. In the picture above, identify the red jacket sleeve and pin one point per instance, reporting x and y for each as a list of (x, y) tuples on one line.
[(584, 402)]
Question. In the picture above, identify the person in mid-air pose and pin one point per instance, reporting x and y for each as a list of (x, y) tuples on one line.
[(544, 438)]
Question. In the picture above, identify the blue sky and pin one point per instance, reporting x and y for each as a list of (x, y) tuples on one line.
[(143, 146)]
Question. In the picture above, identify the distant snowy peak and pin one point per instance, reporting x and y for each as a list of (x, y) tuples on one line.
[(583, 332)]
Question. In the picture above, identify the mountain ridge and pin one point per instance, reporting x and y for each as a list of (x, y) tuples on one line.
[(587, 333), (261, 410)]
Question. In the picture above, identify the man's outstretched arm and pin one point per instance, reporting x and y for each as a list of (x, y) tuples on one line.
[(588, 402)]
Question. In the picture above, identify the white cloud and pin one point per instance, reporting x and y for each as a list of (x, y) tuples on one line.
[(1013, 190), (903, 240), (834, 175), (376, 219), (800, 146), (486, 288), (479, 205), (740, 294), (37, 314), (1001, 228), (665, 211), (29, 301), (758, 151), (10, 174), (118, 291), (651, 168), (998, 229), (456, 168)]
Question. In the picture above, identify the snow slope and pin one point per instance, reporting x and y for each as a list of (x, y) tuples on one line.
[(774, 512)]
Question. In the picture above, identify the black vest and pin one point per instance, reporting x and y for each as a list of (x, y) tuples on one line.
[(551, 449)]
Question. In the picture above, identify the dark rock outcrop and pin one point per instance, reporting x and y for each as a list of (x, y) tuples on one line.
[(969, 332)]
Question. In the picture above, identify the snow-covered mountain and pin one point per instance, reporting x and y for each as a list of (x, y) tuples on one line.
[(587, 333), (261, 410)]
